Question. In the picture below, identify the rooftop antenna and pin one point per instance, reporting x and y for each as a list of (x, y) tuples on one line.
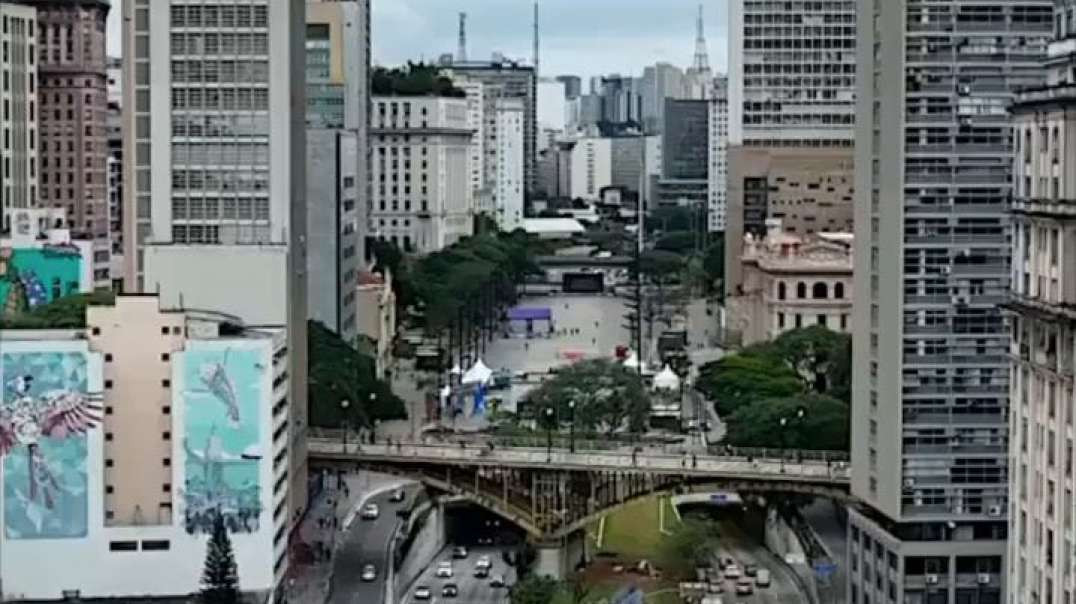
[(702, 60), (535, 38), (461, 52)]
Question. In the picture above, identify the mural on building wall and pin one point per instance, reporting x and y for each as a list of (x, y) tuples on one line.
[(222, 440), (32, 277), (44, 416)]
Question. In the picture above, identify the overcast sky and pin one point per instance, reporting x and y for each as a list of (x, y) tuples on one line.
[(582, 37)]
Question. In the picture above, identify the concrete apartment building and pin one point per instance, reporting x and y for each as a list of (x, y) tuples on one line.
[(930, 386), (1043, 343), (214, 143), (136, 497), (19, 167), (508, 187), (72, 94), (502, 77), (685, 167), (481, 197), (338, 64), (792, 281), (660, 81), (590, 168), (717, 171), (421, 186)]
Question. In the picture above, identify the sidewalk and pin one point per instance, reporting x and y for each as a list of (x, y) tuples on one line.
[(308, 580)]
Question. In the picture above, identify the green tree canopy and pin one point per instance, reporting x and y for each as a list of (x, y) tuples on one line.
[(415, 79), (690, 545), (534, 589), (820, 356), (713, 260), (661, 266), (669, 218), (738, 380), (823, 425), (68, 312), (608, 398), (339, 372)]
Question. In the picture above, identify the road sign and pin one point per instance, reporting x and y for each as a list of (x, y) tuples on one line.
[(824, 569)]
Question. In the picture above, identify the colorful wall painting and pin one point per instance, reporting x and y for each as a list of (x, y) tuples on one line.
[(45, 414), (32, 277)]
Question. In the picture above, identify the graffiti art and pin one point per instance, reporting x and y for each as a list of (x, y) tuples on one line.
[(44, 417), (222, 440)]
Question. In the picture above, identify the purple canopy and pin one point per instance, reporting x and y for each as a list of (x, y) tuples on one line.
[(530, 313)]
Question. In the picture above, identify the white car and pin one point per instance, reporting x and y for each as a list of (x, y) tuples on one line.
[(369, 573), (732, 572), (483, 562), (763, 578), (444, 570), (422, 593), (370, 511)]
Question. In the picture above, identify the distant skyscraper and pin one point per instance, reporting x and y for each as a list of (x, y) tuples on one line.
[(685, 155), (717, 162), (659, 82), (573, 85), (18, 120), (72, 92), (792, 73), (930, 386), (508, 188)]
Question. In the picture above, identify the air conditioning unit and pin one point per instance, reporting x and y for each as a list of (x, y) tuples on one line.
[(958, 509), (995, 510), (984, 578), (932, 579), (909, 482), (964, 90), (917, 501), (945, 270)]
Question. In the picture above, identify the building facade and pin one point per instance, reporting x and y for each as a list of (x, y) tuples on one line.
[(717, 170), (659, 82), (792, 73), (476, 156), (334, 254), (18, 121), (377, 317), (72, 93), (216, 216), (591, 168), (508, 188), (1043, 343), (504, 78), (421, 185), (792, 281), (930, 386), (141, 483), (338, 64)]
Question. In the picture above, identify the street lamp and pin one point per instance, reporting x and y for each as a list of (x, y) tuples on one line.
[(784, 445), (344, 404), (549, 434), (571, 426)]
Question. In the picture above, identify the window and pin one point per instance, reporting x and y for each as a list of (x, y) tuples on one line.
[(838, 290), (123, 546), (799, 319), (164, 330), (108, 384), (155, 545), (166, 383), (819, 291), (780, 320), (166, 436), (781, 291), (108, 357), (801, 290)]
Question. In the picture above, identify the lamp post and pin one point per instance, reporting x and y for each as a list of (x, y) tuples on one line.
[(784, 422), (549, 434), (571, 426), (344, 404)]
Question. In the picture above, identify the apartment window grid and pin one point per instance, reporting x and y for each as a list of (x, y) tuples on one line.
[(799, 72), (18, 96), (220, 122), (956, 258)]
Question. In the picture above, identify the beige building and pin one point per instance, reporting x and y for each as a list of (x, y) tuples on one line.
[(792, 281), (377, 316), (808, 190)]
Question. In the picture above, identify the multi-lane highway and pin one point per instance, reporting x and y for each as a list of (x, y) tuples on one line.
[(367, 542), (472, 590)]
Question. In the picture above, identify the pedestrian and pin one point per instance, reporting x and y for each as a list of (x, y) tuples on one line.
[(694, 461)]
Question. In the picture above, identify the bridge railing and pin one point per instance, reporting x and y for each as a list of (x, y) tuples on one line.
[(771, 468)]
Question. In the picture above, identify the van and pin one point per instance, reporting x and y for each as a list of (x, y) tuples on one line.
[(762, 579)]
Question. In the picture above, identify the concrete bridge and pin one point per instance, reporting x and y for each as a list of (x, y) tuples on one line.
[(553, 494)]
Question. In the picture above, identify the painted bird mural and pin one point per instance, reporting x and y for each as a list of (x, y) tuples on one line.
[(219, 384), (55, 414)]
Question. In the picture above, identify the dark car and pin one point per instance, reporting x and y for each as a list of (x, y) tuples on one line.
[(450, 590), (459, 552), (750, 570), (481, 572), (397, 496)]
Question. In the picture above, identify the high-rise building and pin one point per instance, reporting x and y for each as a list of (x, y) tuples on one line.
[(334, 252), (621, 101), (685, 150), (114, 121), (590, 167), (18, 121), (72, 94), (421, 186), (659, 82), (476, 156), (172, 422), (551, 106), (505, 78), (214, 148), (930, 387), (1043, 294), (792, 73), (717, 166), (508, 188), (337, 64), (573, 85)]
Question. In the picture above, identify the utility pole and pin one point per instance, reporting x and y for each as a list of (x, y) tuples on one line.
[(635, 301), (461, 51)]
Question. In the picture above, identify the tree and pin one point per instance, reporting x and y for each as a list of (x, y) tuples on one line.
[(220, 577), (821, 357), (689, 546), (534, 589), (608, 398), (738, 380), (678, 242), (67, 312), (660, 266), (713, 261), (823, 426), (669, 218), (339, 372)]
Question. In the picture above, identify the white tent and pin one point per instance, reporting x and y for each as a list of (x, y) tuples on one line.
[(667, 380), (445, 393), (632, 362), (477, 374), (455, 369)]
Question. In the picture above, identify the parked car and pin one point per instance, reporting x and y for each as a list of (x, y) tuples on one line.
[(370, 511), (459, 552), (444, 570), (763, 578), (422, 593), (450, 590), (369, 573)]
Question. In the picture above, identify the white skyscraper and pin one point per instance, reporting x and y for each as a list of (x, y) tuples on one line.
[(508, 192), (18, 123), (717, 166)]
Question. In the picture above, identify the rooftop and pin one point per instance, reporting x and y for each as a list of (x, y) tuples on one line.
[(549, 226)]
